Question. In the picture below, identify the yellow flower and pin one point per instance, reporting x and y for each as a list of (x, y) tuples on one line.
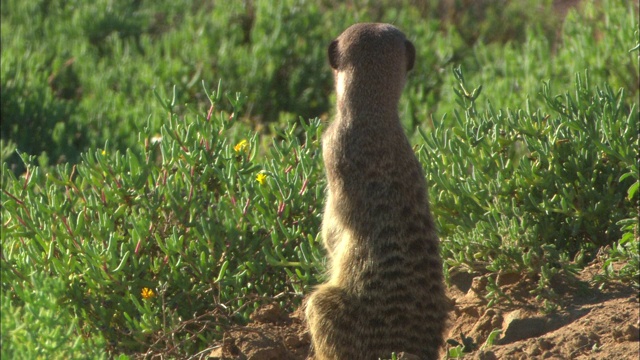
[(147, 293), (104, 152), (243, 145), (261, 178)]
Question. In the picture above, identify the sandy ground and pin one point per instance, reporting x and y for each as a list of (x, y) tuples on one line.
[(585, 322)]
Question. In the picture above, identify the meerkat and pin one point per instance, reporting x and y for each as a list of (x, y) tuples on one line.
[(385, 290)]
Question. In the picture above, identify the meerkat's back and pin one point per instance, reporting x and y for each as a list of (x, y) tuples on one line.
[(385, 291)]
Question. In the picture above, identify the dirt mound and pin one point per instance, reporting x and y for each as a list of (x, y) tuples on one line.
[(272, 335), (584, 322)]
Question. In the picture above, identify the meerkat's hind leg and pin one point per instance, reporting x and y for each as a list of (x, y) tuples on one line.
[(331, 315)]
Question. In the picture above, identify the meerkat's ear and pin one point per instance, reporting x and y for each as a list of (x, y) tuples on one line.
[(411, 54), (333, 54)]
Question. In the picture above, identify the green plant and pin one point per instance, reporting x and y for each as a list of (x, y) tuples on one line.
[(467, 345), (164, 246), (528, 190), (459, 349), (77, 74), (491, 339), (33, 327)]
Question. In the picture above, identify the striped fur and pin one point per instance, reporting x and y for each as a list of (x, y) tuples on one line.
[(385, 291)]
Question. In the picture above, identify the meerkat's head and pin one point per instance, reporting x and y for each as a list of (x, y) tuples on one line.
[(371, 59)]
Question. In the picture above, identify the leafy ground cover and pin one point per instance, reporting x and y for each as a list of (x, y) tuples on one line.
[(142, 221)]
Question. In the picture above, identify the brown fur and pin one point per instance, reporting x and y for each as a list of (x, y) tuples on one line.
[(385, 291)]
